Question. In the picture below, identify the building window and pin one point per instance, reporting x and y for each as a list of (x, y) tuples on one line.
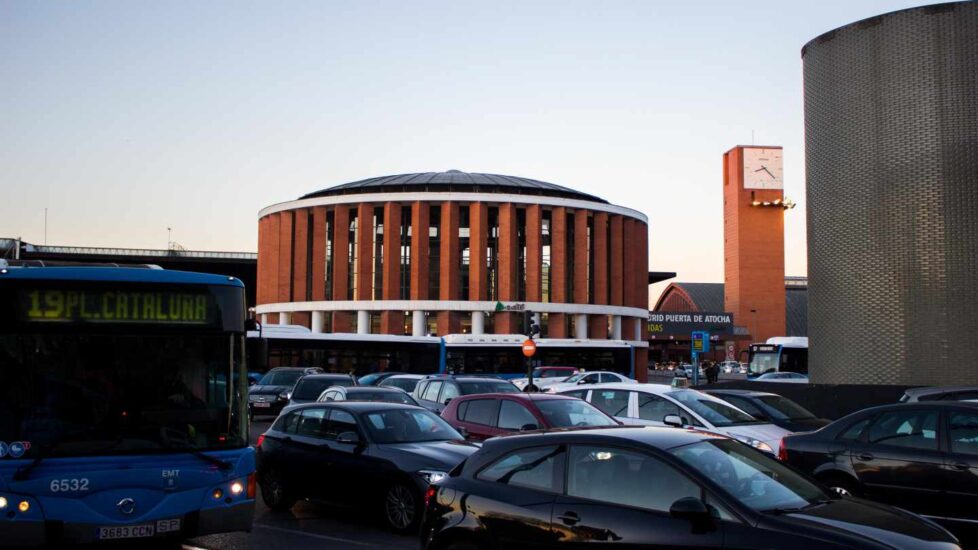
[(354, 236), (431, 322), (463, 247), (545, 225), (374, 317), (309, 239), (590, 260), (544, 322), (521, 255), (434, 253), (377, 290), (405, 274), (492, 254), (329, 257), (408, 323), (569, 272), (465, 324)]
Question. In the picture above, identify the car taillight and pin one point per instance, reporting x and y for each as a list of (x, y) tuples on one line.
[(429, 494), (782, 451), (260, 439), (252, 485)]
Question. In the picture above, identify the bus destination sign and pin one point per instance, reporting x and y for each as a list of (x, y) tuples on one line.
[(116, 306)]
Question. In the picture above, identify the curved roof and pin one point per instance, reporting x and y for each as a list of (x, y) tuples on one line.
[(454, 181)]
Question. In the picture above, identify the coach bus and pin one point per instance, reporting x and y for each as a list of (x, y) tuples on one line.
[(777, 354), (123, 399)]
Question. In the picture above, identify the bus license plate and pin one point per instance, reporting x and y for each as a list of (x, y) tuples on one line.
[(263, 405), (127, 532)]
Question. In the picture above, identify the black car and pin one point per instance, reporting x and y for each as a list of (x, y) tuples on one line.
[(310, 387), (772, 408), (368, 393), (375, 378), (919, 456), (651, 487), (436, 391), (378, 455), (940, 393), (272, 392)]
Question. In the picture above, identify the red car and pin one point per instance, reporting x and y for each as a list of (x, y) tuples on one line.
[(487, 415)]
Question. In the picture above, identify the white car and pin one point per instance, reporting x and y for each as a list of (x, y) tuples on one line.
[(729, 367), (543, 377), (661, 405), (587, 378), (789, 377)]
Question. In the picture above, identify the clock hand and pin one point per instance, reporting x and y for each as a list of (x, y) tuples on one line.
[(761, 168), (769, 173)]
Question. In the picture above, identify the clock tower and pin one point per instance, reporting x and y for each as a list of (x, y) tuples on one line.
[(753, 240)]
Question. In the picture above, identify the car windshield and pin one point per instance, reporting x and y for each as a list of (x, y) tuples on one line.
[(575, 378), (753, 478), (406, 384), (384, 396), (81, 393), (370, 378), (785, 409), (310, 388), (281, 378), (715, 411), (409, 426), (486, 386), (568, 413)]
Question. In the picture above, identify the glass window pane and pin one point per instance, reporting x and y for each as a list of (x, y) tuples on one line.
[(964, 433), (613, 402), (311, 423), (451, 392), (431, 392), (513, 416), (744, 405), (533, 468), (655, 408), (615, 476), (854, 431), (914, 429), (481, 411), (339, 422)]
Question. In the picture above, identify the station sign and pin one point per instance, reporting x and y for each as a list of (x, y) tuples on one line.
[(700, 342), (683, 323)]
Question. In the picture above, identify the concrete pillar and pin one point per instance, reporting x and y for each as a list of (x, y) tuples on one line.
[(363, 322), (285, 318), (478, 322), (616, 327), (637, 334), (580, 326), (318, 321), (417, 323), (420, 217), (264, 319), (534, 253), (478, 234)]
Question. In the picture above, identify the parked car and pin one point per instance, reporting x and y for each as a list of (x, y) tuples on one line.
[(375, 378), (686, 371), (663, 405), (919, 456), (729, 367), (772, 408), (484, 416), (651, 488), (940, 393), (406, 382), (434, 392), (310, 387), (588, 378), (273, 391), (368, 393), (545, 376), (742, 368), (381, 456), (788, 377)]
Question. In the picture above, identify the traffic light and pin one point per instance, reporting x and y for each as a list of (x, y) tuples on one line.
[(531, 324)]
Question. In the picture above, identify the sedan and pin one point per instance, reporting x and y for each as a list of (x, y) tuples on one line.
[(368, 393), (489, 415), (652, 488), (772, 408), (381, 456), (918, 456), (586, 379)]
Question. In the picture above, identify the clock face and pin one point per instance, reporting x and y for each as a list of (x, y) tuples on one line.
[(763, 168)]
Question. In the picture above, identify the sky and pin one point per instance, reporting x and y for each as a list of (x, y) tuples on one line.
[(125, 118)]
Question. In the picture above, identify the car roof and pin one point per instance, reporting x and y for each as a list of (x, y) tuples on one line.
[(291, 368), (633, 386), (408, 376), (326, 376), (655, 436), (926, 404), (361, 389), (745, 393), (357, 406), (930, 390), (519, 396)]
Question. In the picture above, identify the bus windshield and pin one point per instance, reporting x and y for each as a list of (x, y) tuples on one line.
[(763, 362), (101, 393)]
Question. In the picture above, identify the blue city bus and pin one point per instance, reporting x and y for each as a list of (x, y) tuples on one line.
[(123, 399), (778, 354)]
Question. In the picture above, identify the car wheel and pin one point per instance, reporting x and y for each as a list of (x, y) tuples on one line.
[(841, 485), (402, 508), (275, 492)]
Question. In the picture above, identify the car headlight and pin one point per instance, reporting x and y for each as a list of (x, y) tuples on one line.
[(286, 395), (432, 476), (756, 443)]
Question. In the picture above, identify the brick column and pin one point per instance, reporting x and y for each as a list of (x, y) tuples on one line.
[(600, 254), (628, 275), (558, 256), (597, 327), (617, 254), (319, 253), (478, 233), (300, 264), (448, 272), (392, 322), (449, 322), (283, 293), (265, 260), (365, 255), (392, 253), (506, 322), (642, 365), (342, 320), (534, 254), (580, 257), (419, 250)]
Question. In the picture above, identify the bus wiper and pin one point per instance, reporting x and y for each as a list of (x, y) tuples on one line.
[(22, 473), (221, 464)]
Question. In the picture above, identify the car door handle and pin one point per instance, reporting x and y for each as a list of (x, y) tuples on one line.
[(961, 466), (569, 518), (865, 456)]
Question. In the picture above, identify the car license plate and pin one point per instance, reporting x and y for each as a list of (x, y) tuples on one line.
[(127, 532), (263, 405)]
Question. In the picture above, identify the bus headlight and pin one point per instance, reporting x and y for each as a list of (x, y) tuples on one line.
[(237, 488), (24, 506), (3, 503)]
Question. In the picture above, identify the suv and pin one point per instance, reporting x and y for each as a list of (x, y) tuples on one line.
[(274, 390), (483, 416), (434, 392)]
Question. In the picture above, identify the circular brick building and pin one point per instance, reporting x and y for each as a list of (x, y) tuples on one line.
[(455, 253)]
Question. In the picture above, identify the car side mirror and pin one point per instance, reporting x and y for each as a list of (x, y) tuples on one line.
[(692, 509), (463, 431), (352, 438), (673, 420), (529, 427)]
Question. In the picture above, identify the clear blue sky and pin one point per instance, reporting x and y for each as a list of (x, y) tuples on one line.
[(124, 118)]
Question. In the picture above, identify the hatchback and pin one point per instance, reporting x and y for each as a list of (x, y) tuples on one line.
[(485, 416), (434, 392), (368, 393), (309, 388)]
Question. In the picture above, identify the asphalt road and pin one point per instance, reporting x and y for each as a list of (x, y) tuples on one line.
[(307, 525)]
